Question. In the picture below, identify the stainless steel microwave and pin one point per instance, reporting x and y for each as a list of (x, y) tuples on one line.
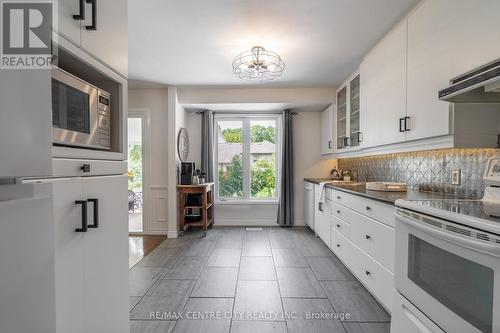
[(80, 112)]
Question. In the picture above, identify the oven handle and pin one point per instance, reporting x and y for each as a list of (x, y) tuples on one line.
[(463, 241)]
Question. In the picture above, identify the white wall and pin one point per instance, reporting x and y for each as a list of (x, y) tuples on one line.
[(154, 103), (308, 161)]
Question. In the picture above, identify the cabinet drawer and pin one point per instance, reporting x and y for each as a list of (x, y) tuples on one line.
[(340, 246), (375, 238), (376, 210), (340, 224), (378, 280)]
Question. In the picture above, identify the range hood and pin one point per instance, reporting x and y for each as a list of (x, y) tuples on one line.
[(480, 85)]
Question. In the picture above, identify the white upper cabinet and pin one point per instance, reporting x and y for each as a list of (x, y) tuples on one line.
[(446, 38), (101, 29), (26, 123), (68, 26), (348, 114), (109, 40), (327, 130), (383, 89)]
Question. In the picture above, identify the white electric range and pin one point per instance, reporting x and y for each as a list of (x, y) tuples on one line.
[(447, 269)]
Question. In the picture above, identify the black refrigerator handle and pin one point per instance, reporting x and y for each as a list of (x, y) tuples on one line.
[(95, 203), (84, 227), (93, 26)]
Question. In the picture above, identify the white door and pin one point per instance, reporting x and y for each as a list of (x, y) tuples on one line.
[(383, 90), (69, 254), (446, 38), (25, 123), (109, 41), (27, 300), (106, 256), (327, 131), (322, 224), (68, 26)]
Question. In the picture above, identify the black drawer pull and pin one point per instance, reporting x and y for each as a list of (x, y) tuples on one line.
[(368, 208), (93, 25), (368, 237), (83, 203), (95, 202), (339, 212), (338, 245), (338, 197), (338, 225), (81, 15), (85, 168), (407, 124), (367, 273)]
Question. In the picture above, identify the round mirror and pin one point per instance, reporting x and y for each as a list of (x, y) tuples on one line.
[(183, 144)]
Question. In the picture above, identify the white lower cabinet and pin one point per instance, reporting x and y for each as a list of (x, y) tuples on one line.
[(364, 244), (91, 268), (322, 223)]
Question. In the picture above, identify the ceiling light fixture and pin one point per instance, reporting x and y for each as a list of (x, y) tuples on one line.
[(258, 64)]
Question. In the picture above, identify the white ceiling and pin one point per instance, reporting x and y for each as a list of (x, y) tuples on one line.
[(193, 42)]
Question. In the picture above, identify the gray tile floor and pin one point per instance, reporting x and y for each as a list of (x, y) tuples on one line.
[(234, 280)]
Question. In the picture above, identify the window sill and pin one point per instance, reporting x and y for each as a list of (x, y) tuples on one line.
[(247, 202)]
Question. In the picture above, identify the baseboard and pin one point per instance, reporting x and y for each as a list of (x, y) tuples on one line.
[(260, 223), (172, 234), (149, 233), (244, 223)]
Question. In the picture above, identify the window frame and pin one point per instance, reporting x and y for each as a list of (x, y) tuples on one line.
[(246, 120)]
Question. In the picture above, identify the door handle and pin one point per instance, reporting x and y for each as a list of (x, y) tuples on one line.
[(95, 203), (329, 145), (407, 124), (81, 15), (401, 125), (360, 137), (93, 26), (84, 227)]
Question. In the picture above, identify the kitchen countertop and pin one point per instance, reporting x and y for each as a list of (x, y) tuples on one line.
[(387, 197), (317, 180)]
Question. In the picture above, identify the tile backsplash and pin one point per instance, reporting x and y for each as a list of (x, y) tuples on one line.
[(425, 170)]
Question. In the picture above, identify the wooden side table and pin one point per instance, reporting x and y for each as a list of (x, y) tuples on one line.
[(206, 208)]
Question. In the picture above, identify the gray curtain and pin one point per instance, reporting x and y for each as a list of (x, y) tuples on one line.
[(207, 149), (285, 211)]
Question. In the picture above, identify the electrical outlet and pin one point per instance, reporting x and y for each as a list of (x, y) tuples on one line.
[(456, 177)]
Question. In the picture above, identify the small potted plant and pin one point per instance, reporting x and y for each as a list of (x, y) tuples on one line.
[(348, 175)]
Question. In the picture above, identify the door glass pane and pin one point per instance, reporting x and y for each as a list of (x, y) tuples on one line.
[(263, 159), (135, 174), (341, 117), (230, 158), (70, 108), (463, 286), (354, 112)]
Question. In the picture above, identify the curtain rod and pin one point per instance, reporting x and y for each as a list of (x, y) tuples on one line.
[(248, 112)]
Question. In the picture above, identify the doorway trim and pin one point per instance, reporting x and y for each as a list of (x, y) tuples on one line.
[(145, 115)]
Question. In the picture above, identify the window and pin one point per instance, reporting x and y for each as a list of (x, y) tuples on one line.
[(247, 157)]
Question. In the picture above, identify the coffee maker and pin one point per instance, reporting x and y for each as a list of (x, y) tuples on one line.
[(186, 174)]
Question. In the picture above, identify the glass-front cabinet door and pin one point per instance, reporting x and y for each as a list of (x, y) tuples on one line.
[(348, 114), (354, 133), (342, 118)]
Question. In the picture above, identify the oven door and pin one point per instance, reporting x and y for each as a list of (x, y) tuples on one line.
[(74, 111), (452, 278)]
